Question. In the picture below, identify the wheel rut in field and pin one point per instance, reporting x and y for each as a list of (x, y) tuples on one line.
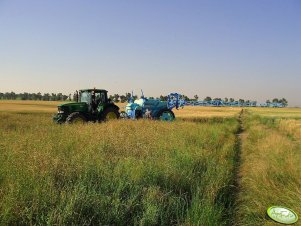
[(235, 184), (228, 195)]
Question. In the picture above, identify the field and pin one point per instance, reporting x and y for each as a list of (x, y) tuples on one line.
[(212, 166)]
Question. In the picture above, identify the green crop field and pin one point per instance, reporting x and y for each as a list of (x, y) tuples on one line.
[(212, 166)]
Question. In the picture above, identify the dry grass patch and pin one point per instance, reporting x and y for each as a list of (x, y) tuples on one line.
[(28, 106), (277, 112), (270, 172), (206, 112), (291, 126)]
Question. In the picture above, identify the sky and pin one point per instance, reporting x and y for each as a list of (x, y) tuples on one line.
[(219, 48)]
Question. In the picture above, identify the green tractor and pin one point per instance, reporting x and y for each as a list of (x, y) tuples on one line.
[(92, 105)]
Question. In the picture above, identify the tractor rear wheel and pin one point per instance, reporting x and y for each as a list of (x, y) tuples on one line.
[(76, 118), (166, 115), (110, 113)]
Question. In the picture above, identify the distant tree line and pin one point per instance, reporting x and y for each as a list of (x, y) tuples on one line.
[(226, 100), (123, 98), (278, 100), (34, 96), (115, 97)]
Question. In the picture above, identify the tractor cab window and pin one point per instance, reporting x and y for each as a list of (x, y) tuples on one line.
[(100, 98), (97, 97), (85, 97)]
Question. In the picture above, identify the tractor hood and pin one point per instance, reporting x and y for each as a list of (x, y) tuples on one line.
[(73, 107), (72, 104)]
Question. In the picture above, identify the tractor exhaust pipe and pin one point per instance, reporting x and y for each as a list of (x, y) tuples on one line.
[(76, 96)]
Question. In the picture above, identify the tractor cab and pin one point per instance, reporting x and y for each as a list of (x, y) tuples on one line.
[(94, 98)]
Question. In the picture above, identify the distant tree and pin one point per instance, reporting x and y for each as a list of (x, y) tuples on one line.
[(123, 98), (164, 98), (30, 96), (151, 98), (39, 96), (53, 97), (283, 101), (226, 99), (268, 101), (59, 96), (241, 100), (186, 98), (275, 100), (65, 97), (196, 97), (1, 96), (46, 96), (33, 96), (13, 95), (128, 96), (111, 97), (24, 96), (7, 96), (248, 101), (217, 98), (208, 99), (116, 98), (231, 99)]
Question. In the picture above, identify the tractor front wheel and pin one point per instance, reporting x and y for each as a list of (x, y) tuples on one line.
[(123, 115), (110, 114), (76, 118), (166, 115)]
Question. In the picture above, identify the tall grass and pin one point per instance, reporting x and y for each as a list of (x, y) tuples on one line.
[(148, 172), (291, 127), (115, 173), (270, 171)]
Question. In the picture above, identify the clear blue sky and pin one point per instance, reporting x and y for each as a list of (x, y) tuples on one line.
[(231, 48)]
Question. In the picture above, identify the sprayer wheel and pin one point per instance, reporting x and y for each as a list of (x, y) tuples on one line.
[(166, 115)]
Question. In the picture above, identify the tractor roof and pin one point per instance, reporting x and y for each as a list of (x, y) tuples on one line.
[(96, 90)]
